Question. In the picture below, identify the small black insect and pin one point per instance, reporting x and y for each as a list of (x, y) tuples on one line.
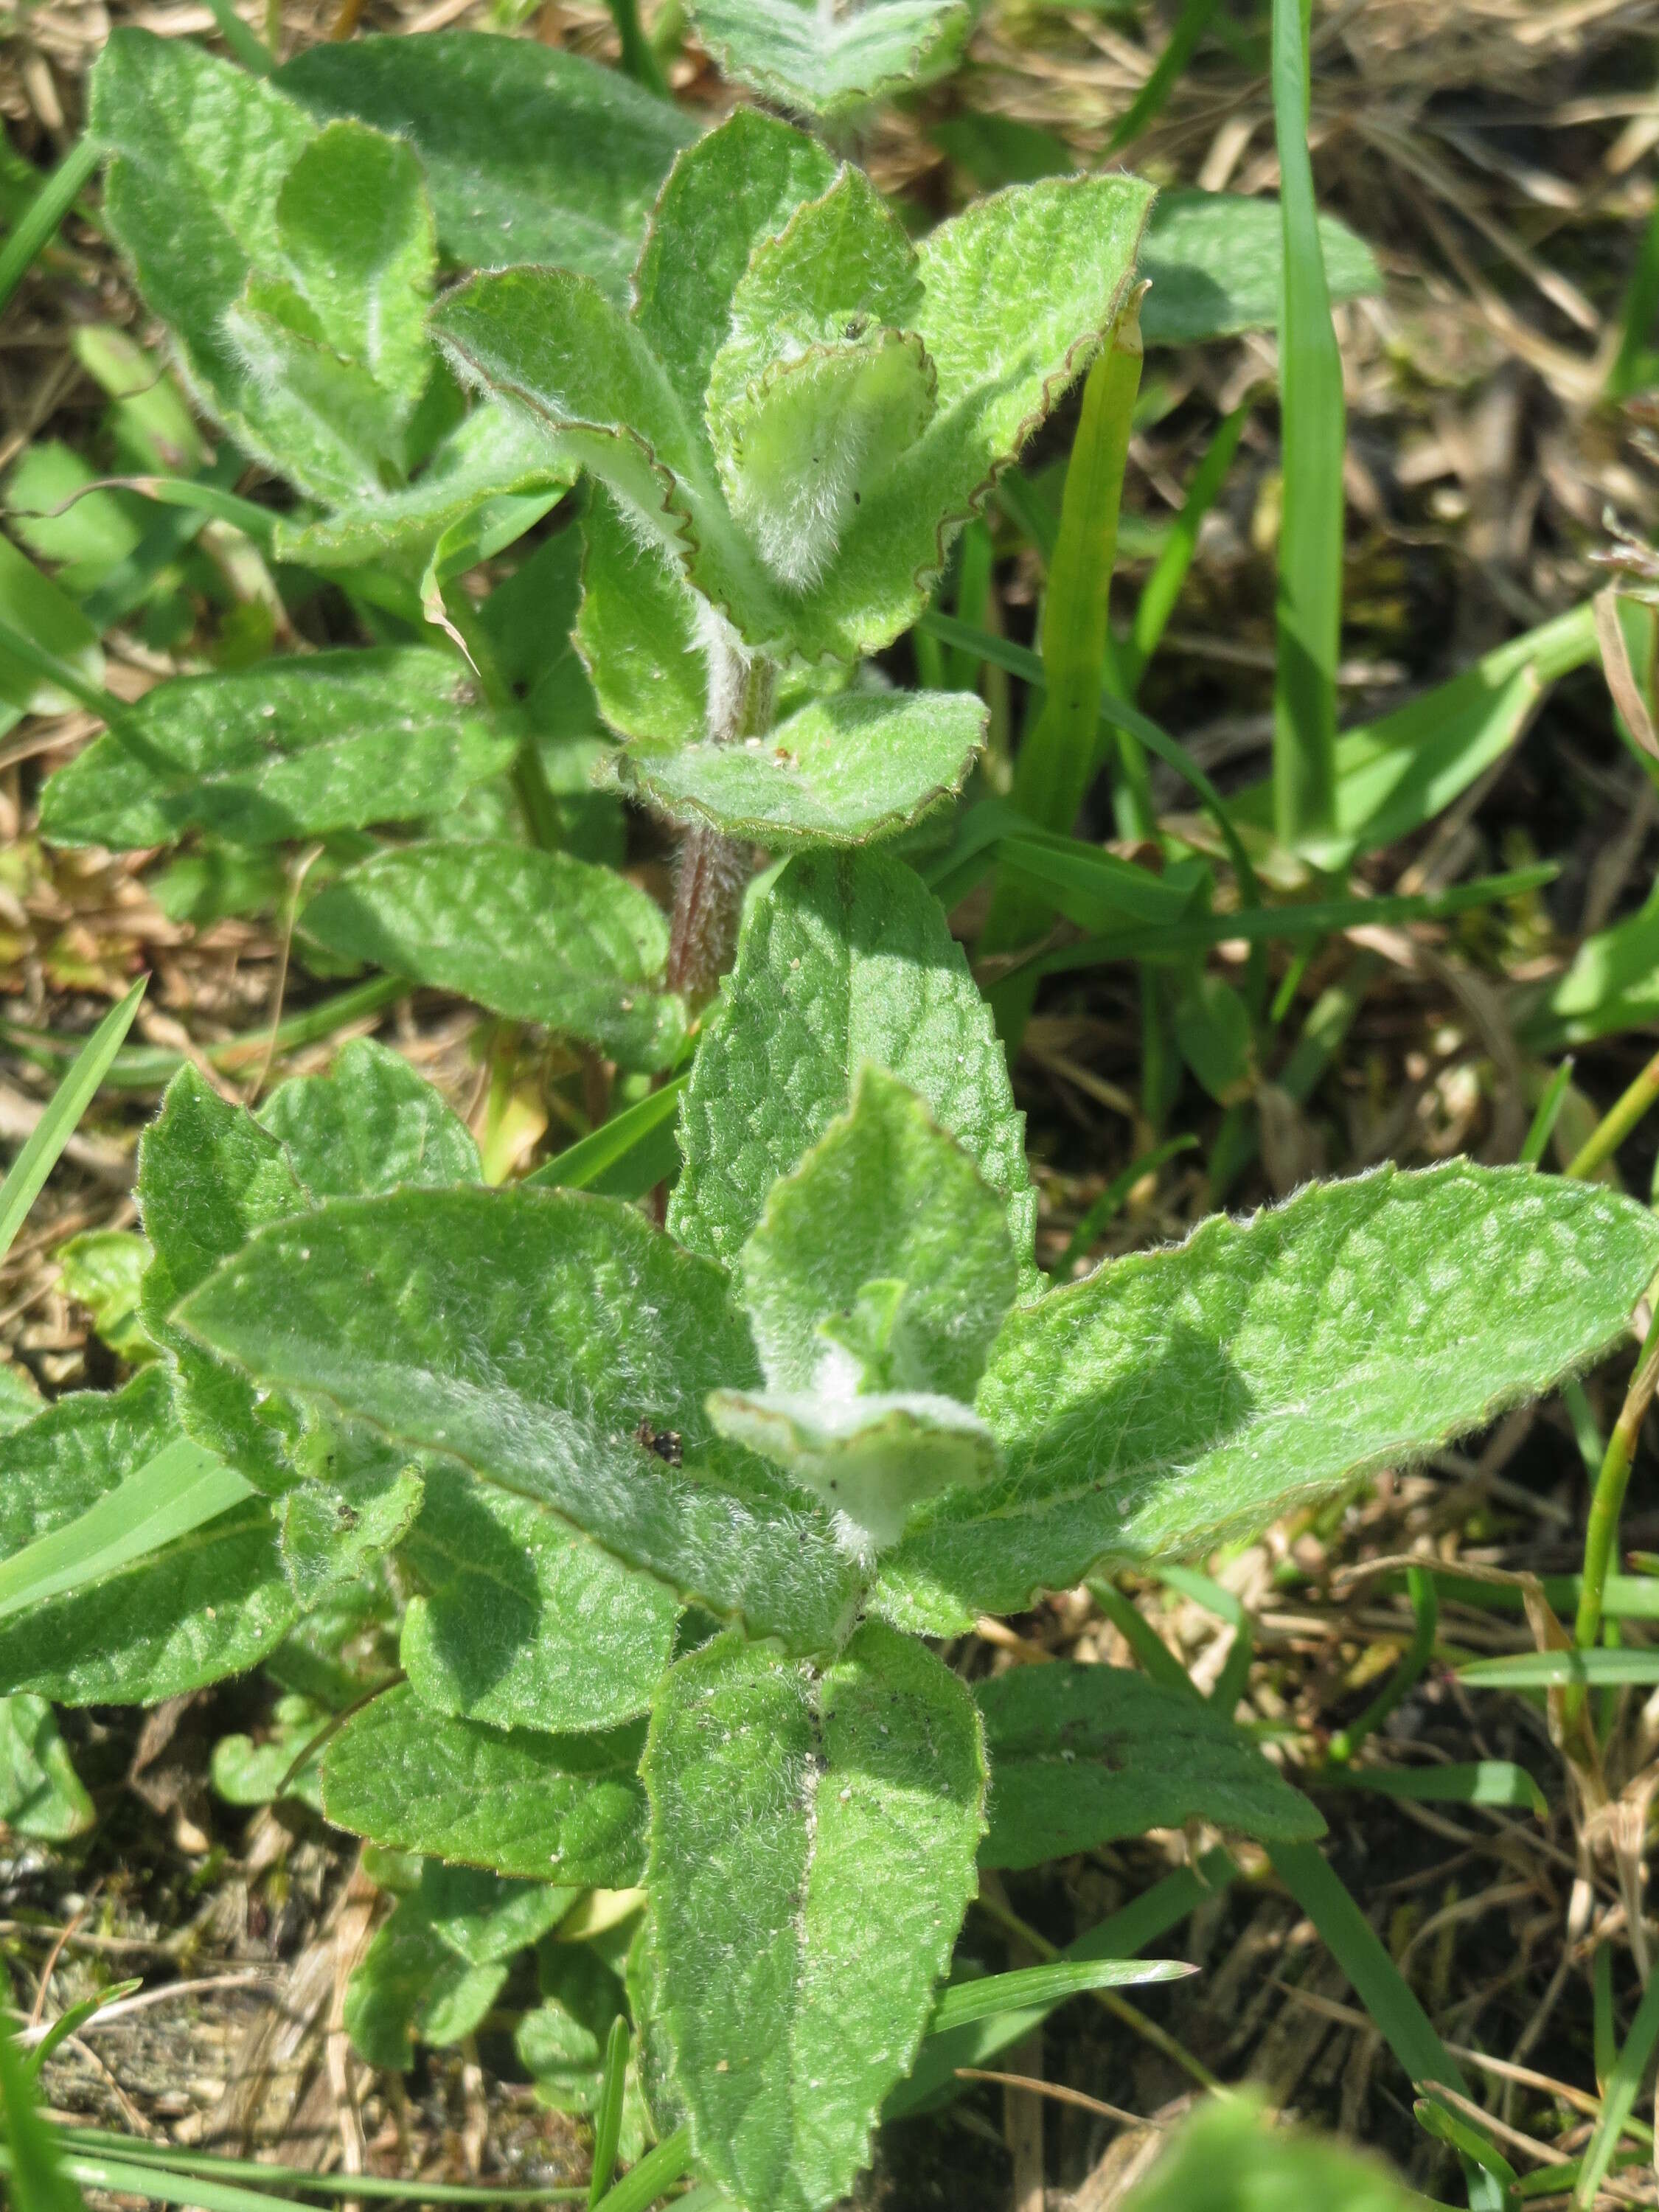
[(666, 1442)]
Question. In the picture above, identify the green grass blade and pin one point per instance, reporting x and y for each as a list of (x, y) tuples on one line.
[(1046, 1986), (178, 1489), (28, 1171), (1462, 2136), (1058, 758), (1148, 102), (1639, 317), (608, 2117), (1481, 1782), (51, 670), (1552, 1670), (1312, 436), (39, 223), (658, 2170), (1426, 1614), (602, 1152), (1618, 2099), (253, 53), (203, 2165), (29, 2156), (76, 2017), (1377, 1982), (1162, 589), (1544, 1119)]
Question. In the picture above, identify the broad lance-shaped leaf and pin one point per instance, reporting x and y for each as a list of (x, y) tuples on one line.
[(534, 935), (520, 1621), (1081, 1755), (370, 1124), (804, 58), (812, 1851), (292, 748), (358, 255), (1175, 1398), (878, 1278), (209, 1175), (843, 771), (844, 959), (531, 155), (637, 632), (205, 1606), (1017, 293), (560, 1349), (560, 1808), (494, 460)]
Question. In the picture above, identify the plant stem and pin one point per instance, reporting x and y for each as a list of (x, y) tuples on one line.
[(1602, 1532), (713, 869), (1616, 1124), (1312, 436), (639, 56)]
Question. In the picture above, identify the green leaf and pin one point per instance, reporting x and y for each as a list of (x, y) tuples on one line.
[(20, 1401), (1174, 1397), (567, 1808), (547, 1341), (1612, 985), (534, 935), (40, 1793), (102, 1270), (638, 632), (244, 1772), (208, 1176), (1083, 1755), (291, 748), (504, 1585), (1214, 260), (192, 198), (370, 1124), (727, 195), (498, 454), (409, 1984), (812, 1855), (841, 771), (1226, 2159), (207, 1604), (843, 959), (334, 1531), (823, 64), (884, 1198), (1018, 292), (531, 155), (44, 611), (554, 342), (562, 2043), (26, 1177)]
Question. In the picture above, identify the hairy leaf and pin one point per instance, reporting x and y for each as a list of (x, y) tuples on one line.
[(825, 63), (812, 1855), (884, 1201), (637, 632), (491, 462), (208, 1176), (1017, 293), (560, 1809), (523, 1623), (370, 1124), (334, 1531), (206, 1605), (725, 197), (534, 935), (1082, 1755), (841, 771), (531, 155), (1175, 1397), (560, 1348), (290, 748), (1225, 2158), (845, 958), (103, 1269), (1214, 260)]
